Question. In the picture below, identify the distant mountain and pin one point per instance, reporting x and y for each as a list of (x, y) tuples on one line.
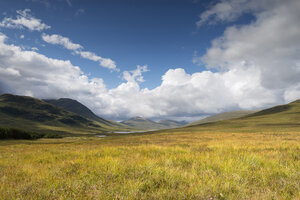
[(147, 124), (223, 116), (80, 109), (172, 123), (36, 115)]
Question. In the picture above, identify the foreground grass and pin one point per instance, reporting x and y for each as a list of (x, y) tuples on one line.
[(178, 165)]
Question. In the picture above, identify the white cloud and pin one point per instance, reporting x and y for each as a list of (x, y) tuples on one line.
[(104, 62), (24, 19), (9, 72), (230, 10), (35, 74), (64, 41), (135, 75), (77, 49), (34, 49), (22, 36), (180, 95), (270, 45)]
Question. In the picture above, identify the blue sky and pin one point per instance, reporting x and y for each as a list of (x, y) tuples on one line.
[(181, 59), (160, 34)]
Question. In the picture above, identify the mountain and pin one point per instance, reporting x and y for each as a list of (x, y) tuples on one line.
[(33, 114), (141, 123), (223, 116), (172, 123), (276, 119), (80, 109)]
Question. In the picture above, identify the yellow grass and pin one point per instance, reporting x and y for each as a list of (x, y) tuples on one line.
[(166, 165)]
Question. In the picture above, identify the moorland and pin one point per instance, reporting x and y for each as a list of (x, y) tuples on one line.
[(255, 156)]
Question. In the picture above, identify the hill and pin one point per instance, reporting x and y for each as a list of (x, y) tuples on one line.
[(275, 119), (172, 123), (80, 109), (33, 114), (141, 123), (147, 124), (223, 116)]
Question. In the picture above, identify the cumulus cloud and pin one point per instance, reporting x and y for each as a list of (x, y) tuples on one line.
[(270, 45), (78, 49), (24, 19), (31, 73), (180, 94), (258, 66), (230, 10), (135, 75)]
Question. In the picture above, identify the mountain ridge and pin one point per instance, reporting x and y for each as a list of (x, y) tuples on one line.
[(80, 109), (147, 124), (34, 114)]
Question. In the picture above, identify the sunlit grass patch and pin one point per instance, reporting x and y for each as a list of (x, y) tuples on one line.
[(179, 165)]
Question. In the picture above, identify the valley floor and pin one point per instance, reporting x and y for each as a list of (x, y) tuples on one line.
[(164, 165)]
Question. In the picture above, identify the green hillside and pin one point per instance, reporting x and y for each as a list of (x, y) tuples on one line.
[(278, 119), (36, 115), (80, 109), (223, 116)]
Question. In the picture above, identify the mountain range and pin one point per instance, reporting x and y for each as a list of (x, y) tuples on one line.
[(147, 124), (36, 115), (80, 109), (68, 116)]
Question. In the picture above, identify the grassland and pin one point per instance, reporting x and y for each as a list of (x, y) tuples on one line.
[(165, 165), (253, 157)]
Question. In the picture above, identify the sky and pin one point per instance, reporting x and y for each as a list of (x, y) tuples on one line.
[(159, 59)]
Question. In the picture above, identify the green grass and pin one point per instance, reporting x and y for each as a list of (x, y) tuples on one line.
[(13, 133)]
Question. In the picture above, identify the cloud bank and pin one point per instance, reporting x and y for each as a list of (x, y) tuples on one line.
[(258, 65)]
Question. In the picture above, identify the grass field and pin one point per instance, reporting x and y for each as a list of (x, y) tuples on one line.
[(192, 164)]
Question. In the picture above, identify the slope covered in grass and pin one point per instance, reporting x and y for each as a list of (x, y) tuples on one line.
[(80, 109), (36, 115), (278, 118), (13, 133), (223, 116)]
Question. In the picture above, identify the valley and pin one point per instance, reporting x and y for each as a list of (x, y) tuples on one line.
[(255, 156)]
